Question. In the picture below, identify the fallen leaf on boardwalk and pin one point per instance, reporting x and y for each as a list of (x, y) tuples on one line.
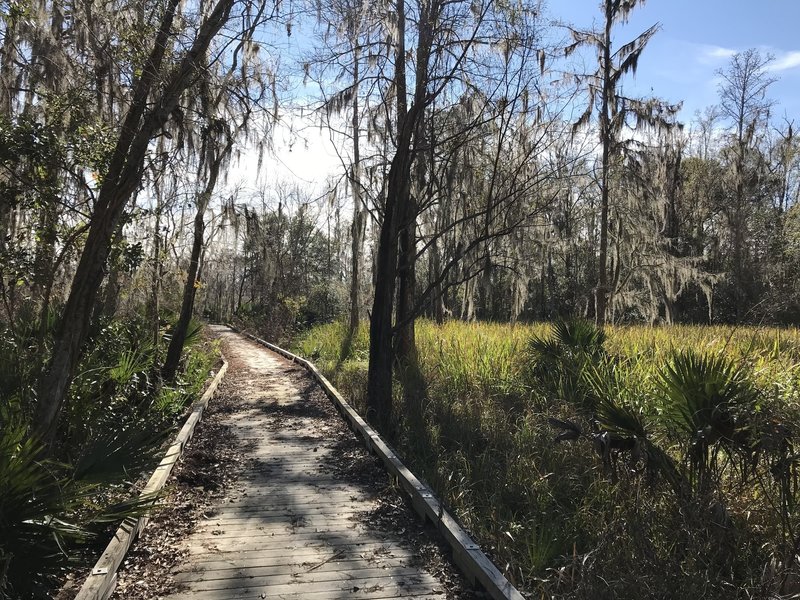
[(211, 474), (195, 483)]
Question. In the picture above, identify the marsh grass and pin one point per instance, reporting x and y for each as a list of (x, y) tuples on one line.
[(558, 520)]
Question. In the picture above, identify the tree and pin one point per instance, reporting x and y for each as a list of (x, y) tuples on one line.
[(465, 161), (154, 99), (224, 101), (614, 111), (346, 46), (217, 141), (744, 104), (381, 355)]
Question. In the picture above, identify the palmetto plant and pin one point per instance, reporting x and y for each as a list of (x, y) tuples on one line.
[(46, 506), (193, 333), (616, 425), (131, 362), (650, 534), (573, 364), (559, 361), (123, 446), (622, 427), (111, 434), (35, 494), (569, 338), (712, 404)]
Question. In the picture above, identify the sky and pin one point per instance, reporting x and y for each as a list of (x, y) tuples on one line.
[(302, 154), (698, 37)]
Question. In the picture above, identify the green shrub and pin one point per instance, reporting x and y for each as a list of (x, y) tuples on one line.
[(116, 420), (324, 304)]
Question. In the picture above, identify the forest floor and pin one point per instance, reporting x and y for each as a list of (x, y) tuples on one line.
[(276, 496)]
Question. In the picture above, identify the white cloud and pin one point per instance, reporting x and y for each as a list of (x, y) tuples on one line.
[(301, 153), (786, 61), (709, 54)]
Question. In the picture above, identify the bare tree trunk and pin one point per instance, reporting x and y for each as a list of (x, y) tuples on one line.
[(552, 303), (358, 215), (739, 296), (601, 291), (108, 307), (44, 270), (7, 93), (175, 349), (434, 271), (232, 306), (46, 231), (397, 212), (485, 287), (155, 283), (379, 375), (405, 340), (542, 289), (468, 301), (7, 70)]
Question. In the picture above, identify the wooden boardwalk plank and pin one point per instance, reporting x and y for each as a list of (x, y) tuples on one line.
[(290, 527), (277, 566), (372, 553), (344, 594), (279, 575)]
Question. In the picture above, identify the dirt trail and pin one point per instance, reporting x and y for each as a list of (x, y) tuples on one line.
[(302, 511)]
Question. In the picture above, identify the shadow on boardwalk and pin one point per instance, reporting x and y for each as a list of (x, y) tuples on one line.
[(310, 514)]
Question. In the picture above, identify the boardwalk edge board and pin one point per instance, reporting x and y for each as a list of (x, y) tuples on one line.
[(467, 555), (102, 580)]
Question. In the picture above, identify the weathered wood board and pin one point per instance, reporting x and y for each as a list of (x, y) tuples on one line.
[(289, 528)]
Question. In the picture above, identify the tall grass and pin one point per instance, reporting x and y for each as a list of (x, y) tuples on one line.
[(559, 520)]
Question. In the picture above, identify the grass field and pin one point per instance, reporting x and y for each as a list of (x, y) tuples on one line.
[(698, 500)]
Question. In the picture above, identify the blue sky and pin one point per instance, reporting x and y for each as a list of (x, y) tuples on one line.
[(697, 37)]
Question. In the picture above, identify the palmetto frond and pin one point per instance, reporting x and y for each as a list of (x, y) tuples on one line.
[(118, 452), (193, 333), (708, 397), (568, 344), (613, 410), (44, 503), (542, 348), (559, 360), (579, 335), (35, 494), (129, 363)]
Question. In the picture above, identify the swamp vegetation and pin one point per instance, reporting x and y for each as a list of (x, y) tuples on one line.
[(60, 505), (624, 463), (493, 170)]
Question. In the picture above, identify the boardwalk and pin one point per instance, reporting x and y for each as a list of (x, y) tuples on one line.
[(294, 527)]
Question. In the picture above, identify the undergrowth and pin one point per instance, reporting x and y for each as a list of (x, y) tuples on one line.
[(646, 462), (59, 504)]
